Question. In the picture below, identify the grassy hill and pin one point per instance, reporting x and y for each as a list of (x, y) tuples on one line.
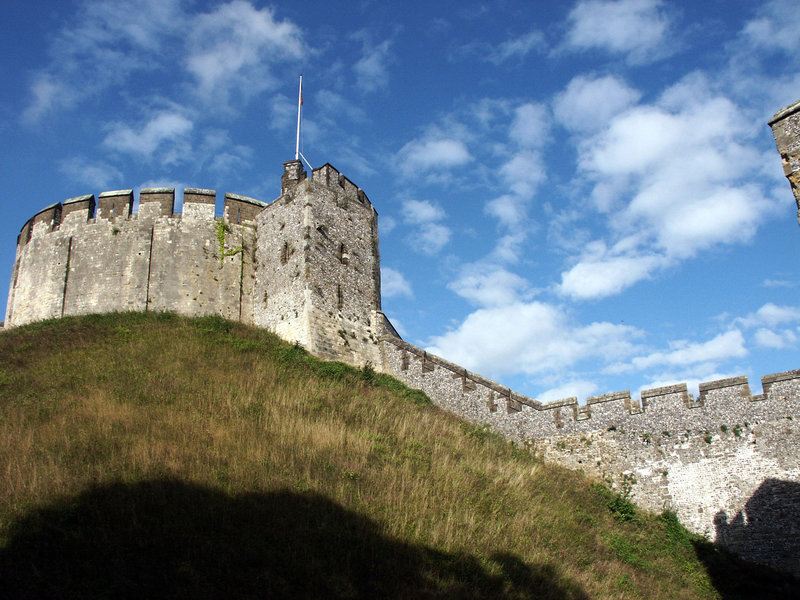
[(152, 456)]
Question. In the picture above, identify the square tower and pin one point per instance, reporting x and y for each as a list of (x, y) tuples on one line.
[(318, 277), (785, 126)]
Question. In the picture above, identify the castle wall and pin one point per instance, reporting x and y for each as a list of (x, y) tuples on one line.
[(75, 263), (786, 129), (307, 267), (108, 265), (38, 281), (715, 461), (281, 302)]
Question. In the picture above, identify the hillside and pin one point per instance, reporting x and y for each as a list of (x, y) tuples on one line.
[(155, 456)]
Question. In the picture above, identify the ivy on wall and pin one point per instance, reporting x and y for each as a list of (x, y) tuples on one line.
[(222, 229)]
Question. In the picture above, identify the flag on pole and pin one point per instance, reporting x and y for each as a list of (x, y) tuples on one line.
[(299, 104)]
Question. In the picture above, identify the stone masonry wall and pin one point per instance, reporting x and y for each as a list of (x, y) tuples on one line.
[(71, 262), (786, 129), (305, 266), (319, 268), (715, 461)]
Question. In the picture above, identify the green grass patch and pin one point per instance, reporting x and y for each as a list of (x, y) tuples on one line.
[(150, 455)]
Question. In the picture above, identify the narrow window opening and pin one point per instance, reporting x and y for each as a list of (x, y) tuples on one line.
[(285, 253), (343, 256), (339, 299)]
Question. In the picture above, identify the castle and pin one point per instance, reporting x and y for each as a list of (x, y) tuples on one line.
[(307, 267)]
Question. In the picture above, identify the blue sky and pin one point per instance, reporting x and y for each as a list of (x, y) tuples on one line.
[(575, 198)]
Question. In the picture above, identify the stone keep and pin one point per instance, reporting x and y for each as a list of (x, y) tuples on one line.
[(305, 266)]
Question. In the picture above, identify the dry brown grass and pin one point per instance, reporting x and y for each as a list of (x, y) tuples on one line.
[(89, 404)]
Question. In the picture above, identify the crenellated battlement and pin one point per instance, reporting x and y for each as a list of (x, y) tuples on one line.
[(117, 206), (658, 409), (328, 176), (85, 255)]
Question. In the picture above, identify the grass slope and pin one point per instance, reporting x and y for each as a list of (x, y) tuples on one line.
[(147, 456)]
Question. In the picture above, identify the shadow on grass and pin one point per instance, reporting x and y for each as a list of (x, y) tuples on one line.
[(167, 539), (736, 579)]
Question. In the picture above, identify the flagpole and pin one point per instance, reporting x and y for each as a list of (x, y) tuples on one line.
[(299, 107)]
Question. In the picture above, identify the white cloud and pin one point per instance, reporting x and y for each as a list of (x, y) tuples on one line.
[(429, 236), (774, 28), (488, 285), (589, 102), (507, 209), (779, 283), (635, 141), (97, 174), (523, 173), (106, 42), (516, 47), (140, 23), (421, 211), (165, 133), (372, 68), (531, 338), (509, 247), (766, 338), (221, 154), (394, 284), (48, 94), (572, 389), (723, 346), (231, 49), (775, 326), (606, 275), (387, 225), (530, 125), (680, 173), (770, 315), (228, 51), (637, 29), (424, 155), (334, 104)]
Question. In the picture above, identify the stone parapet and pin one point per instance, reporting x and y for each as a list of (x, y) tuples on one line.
[(71, 260), (328, 176), (156, 202), (666, 408), (117, 204), (241, 209)]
